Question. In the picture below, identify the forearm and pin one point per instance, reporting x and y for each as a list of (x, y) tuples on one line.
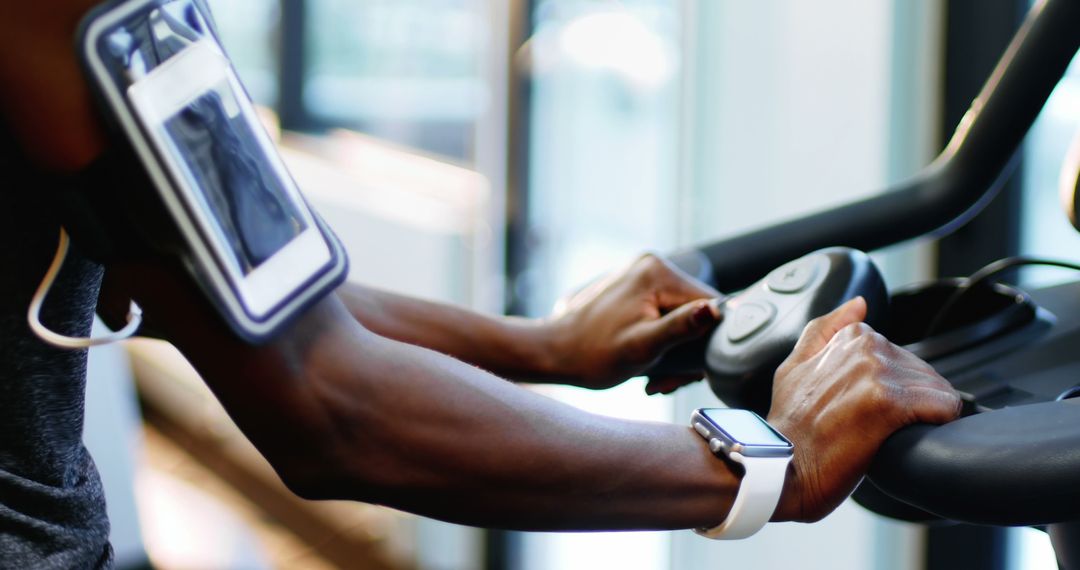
[(510, 347), (502, 456), (345, 414)]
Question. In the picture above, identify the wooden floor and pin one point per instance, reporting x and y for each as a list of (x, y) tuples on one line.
[(191, 446)]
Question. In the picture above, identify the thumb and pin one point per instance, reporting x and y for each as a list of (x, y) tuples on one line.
[(821, 330), (688, 322)]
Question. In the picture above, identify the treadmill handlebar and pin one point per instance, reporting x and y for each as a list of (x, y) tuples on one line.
[(947, 193)]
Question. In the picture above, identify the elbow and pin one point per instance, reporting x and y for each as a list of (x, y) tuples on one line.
[(324, 480), (337, 441), (333, 482), (330, 467), (300, 463), (314, 469), (308, 483), (350, 470)]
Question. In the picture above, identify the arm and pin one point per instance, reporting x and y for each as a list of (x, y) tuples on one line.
[(512, 347), (612, 330), (342, 412), (346, 414)]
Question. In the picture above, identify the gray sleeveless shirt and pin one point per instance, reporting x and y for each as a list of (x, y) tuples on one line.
[(52, 509)]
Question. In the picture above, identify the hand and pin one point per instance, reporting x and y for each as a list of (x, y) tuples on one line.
[(617, 327), (840, 394)]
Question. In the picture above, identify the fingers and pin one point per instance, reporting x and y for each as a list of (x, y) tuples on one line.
[(931, 398), (673, 287), (933, 405), (665, 283), (668, 384), (686, 323), (821, 330), (582, 296), (907, 388)]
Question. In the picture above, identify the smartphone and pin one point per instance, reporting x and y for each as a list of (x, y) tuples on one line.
[(241, 225)]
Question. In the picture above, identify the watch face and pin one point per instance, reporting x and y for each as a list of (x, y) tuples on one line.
[(745, 428)]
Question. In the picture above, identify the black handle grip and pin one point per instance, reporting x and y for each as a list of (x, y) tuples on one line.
[(1014, 466)]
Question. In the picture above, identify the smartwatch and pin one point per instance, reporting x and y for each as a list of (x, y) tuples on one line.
[(745, 438)]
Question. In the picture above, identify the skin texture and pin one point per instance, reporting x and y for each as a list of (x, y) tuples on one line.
[(841, 365), (335, 408), (380, 398), (612, 330), (325, 403)]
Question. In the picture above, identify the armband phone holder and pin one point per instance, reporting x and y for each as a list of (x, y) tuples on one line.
[(192, 175)]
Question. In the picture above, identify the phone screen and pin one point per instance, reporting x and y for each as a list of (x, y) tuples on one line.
[(239, 204), (224, 160)]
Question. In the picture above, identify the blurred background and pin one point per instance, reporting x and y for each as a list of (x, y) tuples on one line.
[(498, 154)]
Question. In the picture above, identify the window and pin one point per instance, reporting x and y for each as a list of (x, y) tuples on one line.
[(603, 160), (1045, 230), (602, 188), (657, 124), (249, 31), (405, 71)]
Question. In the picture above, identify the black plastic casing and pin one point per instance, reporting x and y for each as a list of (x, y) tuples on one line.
[(741, 372)]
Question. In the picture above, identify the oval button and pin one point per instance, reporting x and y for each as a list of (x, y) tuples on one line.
[(748, 319), (793, 277)]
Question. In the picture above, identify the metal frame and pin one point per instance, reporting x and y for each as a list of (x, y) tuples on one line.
[(976, 33)]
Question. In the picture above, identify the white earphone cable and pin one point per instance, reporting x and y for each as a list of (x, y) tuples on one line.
[(33, 316)]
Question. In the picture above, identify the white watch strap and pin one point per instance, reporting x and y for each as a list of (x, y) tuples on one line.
[(756, 500)]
